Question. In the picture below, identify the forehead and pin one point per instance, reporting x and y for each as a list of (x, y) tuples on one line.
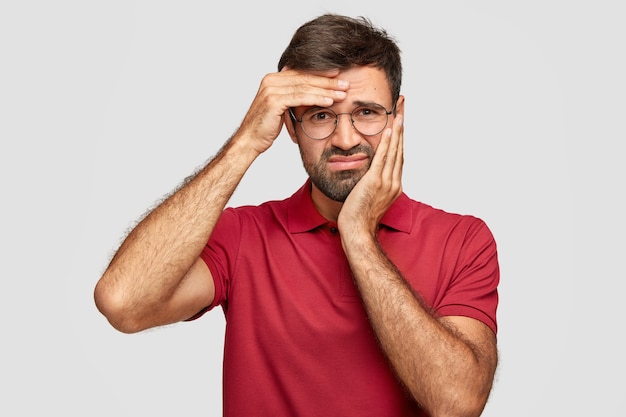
[(366, 84)]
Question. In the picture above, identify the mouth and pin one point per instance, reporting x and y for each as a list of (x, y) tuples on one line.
[(352, 162)]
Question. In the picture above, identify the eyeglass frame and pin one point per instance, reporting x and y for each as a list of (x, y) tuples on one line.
[(336, 123)]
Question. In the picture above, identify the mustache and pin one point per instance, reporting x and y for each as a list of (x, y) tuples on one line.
[(367, 150)]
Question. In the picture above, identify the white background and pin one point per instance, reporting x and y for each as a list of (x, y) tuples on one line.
[(515, 113)]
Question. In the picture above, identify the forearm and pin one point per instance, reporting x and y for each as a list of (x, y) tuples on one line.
[(154, 258), (443, 373)]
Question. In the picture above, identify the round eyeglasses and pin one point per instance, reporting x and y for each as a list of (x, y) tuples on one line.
[(320, 122)]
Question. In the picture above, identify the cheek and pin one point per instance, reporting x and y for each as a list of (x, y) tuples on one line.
[(311, 152), (374, 142)]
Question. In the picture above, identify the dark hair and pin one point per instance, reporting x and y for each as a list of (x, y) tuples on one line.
[(333, 41)]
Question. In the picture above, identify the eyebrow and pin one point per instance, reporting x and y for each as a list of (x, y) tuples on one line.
[(356, 103), (365, 103)]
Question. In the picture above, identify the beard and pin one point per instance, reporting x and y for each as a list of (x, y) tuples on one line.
[(337, 185)]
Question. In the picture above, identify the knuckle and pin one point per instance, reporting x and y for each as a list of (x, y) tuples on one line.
[(267, 80)]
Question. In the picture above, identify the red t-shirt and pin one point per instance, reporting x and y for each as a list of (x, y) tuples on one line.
[(298, 342)]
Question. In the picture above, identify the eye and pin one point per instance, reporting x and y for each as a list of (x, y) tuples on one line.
[(368, 112), (320, 116)]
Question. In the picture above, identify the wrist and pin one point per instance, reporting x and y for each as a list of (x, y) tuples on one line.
[(359, 242)]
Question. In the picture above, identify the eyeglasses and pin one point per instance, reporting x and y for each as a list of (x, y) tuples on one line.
[(320, 122)]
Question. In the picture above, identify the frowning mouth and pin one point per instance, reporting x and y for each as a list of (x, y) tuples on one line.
[(340, 163)]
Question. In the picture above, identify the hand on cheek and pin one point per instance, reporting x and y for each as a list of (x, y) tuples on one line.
[(380, 186)]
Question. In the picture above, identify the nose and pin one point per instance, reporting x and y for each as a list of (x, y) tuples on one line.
[(345, 135)]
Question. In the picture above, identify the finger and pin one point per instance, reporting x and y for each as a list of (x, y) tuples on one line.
[(298, 89), (380, 156), (327, 80), (398, 126), (308, 89), (324, 73), (391, 138), (392, 168), (306, 96)]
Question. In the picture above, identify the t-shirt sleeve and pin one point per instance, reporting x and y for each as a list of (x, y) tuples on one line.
[(472, 291), (219, 254)]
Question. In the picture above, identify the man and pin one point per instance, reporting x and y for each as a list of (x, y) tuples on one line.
[(347, 298)]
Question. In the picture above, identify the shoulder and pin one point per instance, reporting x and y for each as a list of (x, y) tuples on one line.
[(436, 223), (238, 219), (293, 212), (428, 215)]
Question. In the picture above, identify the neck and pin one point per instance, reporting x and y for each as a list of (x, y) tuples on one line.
[(325, 206)]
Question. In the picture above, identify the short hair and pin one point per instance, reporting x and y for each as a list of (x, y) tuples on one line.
[(333, 41)]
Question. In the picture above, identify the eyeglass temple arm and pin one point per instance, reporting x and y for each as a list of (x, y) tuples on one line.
[(293, 116)]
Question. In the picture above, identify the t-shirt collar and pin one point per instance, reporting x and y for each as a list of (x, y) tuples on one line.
[(304, 217)]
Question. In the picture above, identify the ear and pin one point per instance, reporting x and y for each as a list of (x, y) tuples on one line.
[(290, 125), (400, 105)]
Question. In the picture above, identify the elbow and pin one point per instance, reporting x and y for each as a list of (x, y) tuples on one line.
[(471, 408), (459, 403), (114, 305), (467, 409)]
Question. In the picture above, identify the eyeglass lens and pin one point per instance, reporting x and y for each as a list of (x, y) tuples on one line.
[(319, 123)]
